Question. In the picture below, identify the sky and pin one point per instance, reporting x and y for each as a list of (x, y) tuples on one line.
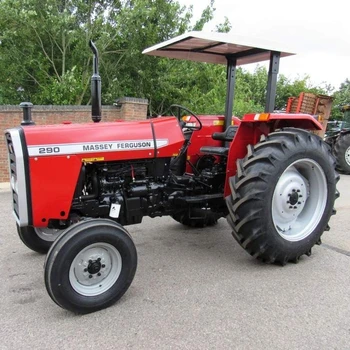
[(318, 31)]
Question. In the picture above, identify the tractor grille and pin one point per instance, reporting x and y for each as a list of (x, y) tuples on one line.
[(17, 171), (13, 172)]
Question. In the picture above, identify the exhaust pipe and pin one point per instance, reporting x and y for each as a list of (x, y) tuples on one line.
[(96, 109), (27, 113)]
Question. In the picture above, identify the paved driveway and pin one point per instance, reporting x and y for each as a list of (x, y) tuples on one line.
[(194, 289)]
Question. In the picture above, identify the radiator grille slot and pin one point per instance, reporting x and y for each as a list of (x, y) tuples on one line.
[(17, 175)]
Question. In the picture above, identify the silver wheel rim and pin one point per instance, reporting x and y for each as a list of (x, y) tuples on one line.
[(47, 234), (95, 269), (347, 156), (299, 200)]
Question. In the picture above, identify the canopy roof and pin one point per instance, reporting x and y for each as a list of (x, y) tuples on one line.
[(216, 48)]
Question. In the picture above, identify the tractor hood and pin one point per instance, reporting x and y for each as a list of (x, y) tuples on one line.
[(160, 137)]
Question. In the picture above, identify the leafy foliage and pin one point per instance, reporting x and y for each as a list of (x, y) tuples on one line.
[(45, 58), (341, 98)]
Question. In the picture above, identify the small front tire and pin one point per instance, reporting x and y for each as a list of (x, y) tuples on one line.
[(90, 266), (38, 239)]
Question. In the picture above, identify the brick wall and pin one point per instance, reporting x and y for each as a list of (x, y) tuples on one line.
[(127, 108)]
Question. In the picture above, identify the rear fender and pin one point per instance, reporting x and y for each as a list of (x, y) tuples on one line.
[(253, 126)]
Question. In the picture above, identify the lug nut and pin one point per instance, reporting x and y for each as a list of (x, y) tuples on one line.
[(99, 274), (99, 259), (85, 270), (90, 261), (290, 207), (90, 276), (103, 266)]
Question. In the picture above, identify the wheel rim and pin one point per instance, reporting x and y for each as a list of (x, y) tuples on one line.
[(95, 269), (299, 200), (347, 156), (47, 234)]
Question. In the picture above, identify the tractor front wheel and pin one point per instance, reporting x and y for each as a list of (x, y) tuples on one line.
[(283, 196), (38, 239), (90, 266), (342, 153)]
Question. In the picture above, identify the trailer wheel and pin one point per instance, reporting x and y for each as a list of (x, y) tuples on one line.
[(199, 218), (38, 239), (90, 266), (342, 153), (283, 196)]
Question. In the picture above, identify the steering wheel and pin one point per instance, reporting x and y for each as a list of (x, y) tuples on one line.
[(182, 123)]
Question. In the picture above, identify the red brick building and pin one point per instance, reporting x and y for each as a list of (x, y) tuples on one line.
[(128, 108)]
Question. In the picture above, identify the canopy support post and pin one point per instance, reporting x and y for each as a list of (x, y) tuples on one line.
[(272, 81), (231, 80)]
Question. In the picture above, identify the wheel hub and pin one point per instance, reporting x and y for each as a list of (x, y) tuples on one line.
[(293, 197), (94, 266), (95, 269), (299, 200), (347, 155), (290, 196)]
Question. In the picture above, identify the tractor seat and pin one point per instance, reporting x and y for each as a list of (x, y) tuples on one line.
[(226, 136), (215, 151)]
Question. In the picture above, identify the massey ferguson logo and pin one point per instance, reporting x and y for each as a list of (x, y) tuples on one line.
[(100, 147), (119, 145), (77, 148)]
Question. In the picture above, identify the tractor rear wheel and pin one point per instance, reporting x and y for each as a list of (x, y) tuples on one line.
[(38, 239), (90, 266), (282, 196), (198, 218), (342, 153)]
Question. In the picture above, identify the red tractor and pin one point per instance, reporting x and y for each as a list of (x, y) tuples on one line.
[(75, 187)]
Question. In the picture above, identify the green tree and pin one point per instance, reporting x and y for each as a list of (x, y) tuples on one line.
[(340, 98), (47, 46)]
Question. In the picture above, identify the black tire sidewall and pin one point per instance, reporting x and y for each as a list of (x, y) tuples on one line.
[(251, 201), (341, 145), (30, 238), (59, 262)]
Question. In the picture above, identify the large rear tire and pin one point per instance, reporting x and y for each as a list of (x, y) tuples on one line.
[(38, 239), (283, 196), (342, 153), (90, 266)]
